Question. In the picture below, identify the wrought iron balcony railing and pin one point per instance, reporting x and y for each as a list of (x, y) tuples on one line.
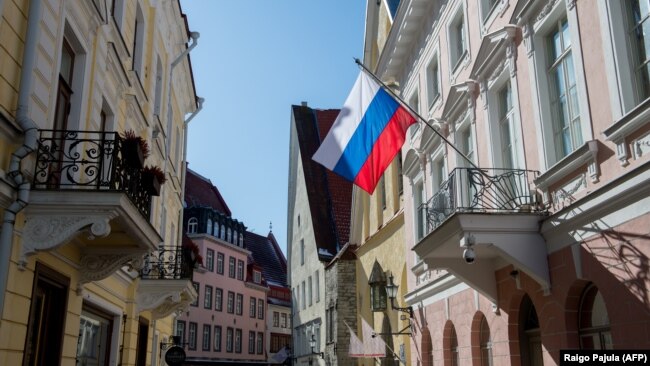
[(167, 264), (480, 191), (88, 160)]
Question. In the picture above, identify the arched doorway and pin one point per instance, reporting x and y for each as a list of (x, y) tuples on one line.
[(530, 338), (427, 348), (593, 320)]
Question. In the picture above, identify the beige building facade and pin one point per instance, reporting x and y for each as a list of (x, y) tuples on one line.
[(92, 270)]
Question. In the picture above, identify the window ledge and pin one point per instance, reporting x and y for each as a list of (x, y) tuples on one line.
[(628, 123), (419, 268), (583, 155)]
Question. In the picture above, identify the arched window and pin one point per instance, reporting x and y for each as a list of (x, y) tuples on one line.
[(235, 234), (222, 232), (229, 235), (455, 357), (593, 321), (208, 229), (192, 225), (215, 230), (530, 339), (377, 282), (241, 240), (485, 343)]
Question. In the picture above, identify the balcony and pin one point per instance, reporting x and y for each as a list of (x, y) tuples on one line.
[(481, 220), (165, 284), (82, 183)]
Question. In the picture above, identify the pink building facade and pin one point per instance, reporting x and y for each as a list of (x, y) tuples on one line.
[(228, 322), (536, 240)]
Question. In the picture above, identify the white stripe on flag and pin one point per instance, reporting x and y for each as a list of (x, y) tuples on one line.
[(351, 114), (374, 346)]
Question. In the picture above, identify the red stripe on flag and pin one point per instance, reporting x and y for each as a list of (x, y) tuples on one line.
[(383, 152)]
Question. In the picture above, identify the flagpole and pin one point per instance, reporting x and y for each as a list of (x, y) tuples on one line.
[(414, 112)]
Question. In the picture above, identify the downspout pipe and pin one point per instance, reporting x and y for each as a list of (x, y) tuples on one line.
[(194, 37), (189, 119), (30, 142)]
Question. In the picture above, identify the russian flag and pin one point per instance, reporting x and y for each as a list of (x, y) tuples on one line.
[(367, 134)]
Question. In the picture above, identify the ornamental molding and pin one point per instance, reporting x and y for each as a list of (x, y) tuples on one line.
[(47, 232), (545, 11), (163, 297), (98, 266)]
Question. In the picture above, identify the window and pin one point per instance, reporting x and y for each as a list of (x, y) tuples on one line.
[(117, 10), (298, 220), (229, 335), (222, 232), (238, 340), (253, 306), (208, 227), (438, 171), (196, 288), (564, 96), (231, 267), (317, 287), (400, 175), (377, 282), (304, 297), (382, 192), (283, 322), (455, 357), (330, 324), (309, 292), (220, 263), (192, 336), (276, 319), (420, 210), (485, 343), (240, 270), (260, 343), (207, 299), (457, 40), (239, 305), (639, 30), (230, 307), (260, 308), (257, 277), (65, 92), (218, 299), (302, 252), (157, 106), (217, 338), (209, 259), (487, 8), (229, 235), (192, 225), (138, 42), (206, 337), (433, 81), (180, 329), (508, 157), (251, 342), (593, 327), (414, 103), (466, 142)]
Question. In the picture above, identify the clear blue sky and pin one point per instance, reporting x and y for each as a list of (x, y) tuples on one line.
[(254, 59)]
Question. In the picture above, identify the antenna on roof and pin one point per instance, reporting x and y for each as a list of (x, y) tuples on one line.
[(270, 226)]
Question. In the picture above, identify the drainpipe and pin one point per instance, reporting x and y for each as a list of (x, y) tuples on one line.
[(194, 36), (199, 107), (30, 141)]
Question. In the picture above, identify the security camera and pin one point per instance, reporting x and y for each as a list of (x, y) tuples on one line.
[(468, 255)]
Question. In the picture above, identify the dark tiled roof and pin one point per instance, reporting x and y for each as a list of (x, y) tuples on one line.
[(267, 255), (199, 191), (329, 195)]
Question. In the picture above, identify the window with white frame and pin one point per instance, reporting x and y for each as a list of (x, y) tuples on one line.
[(192, 225), (253, 306), (180, 329), (229, 336), (257, 276), (117, 10), (420, 210), (414, 103), (317, 286), (433, 81), (209, 259), (240, 270), (304, 296), (238, 340), (239, 304), (504, 125), (217, 338), (138, 42), (465, 138), (302, 252), (219, 263), (218, 299), (207, 298), (208, 228), (260, 309), (438, 170), (309, 291), (625, 26), (457, 39), (487, 8), (251, 342), (231, 267), (157, 106), (192, 336), (565, 108), (206, 336)]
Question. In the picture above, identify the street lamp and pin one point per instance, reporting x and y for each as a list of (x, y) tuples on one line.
[(391, 291)]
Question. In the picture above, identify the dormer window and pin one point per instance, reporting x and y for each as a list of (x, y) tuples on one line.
[(192, 225), (257, 277)]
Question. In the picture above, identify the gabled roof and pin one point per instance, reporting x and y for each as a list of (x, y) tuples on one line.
[(329, 195), (200, 192), (268, 256)]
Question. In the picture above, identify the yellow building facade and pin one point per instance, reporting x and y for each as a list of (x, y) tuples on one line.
[(91, 268)]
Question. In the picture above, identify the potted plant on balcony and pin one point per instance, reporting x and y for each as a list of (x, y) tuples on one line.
[(152, 178), (134, 149), (192, 253)]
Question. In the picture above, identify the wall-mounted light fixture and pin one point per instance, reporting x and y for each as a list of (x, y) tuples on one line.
[(391, 291)]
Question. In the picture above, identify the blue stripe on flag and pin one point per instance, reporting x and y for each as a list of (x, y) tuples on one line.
[(377, 116)]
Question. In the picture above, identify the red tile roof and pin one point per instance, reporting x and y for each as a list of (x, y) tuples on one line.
[(330, 196), (200, 192)]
